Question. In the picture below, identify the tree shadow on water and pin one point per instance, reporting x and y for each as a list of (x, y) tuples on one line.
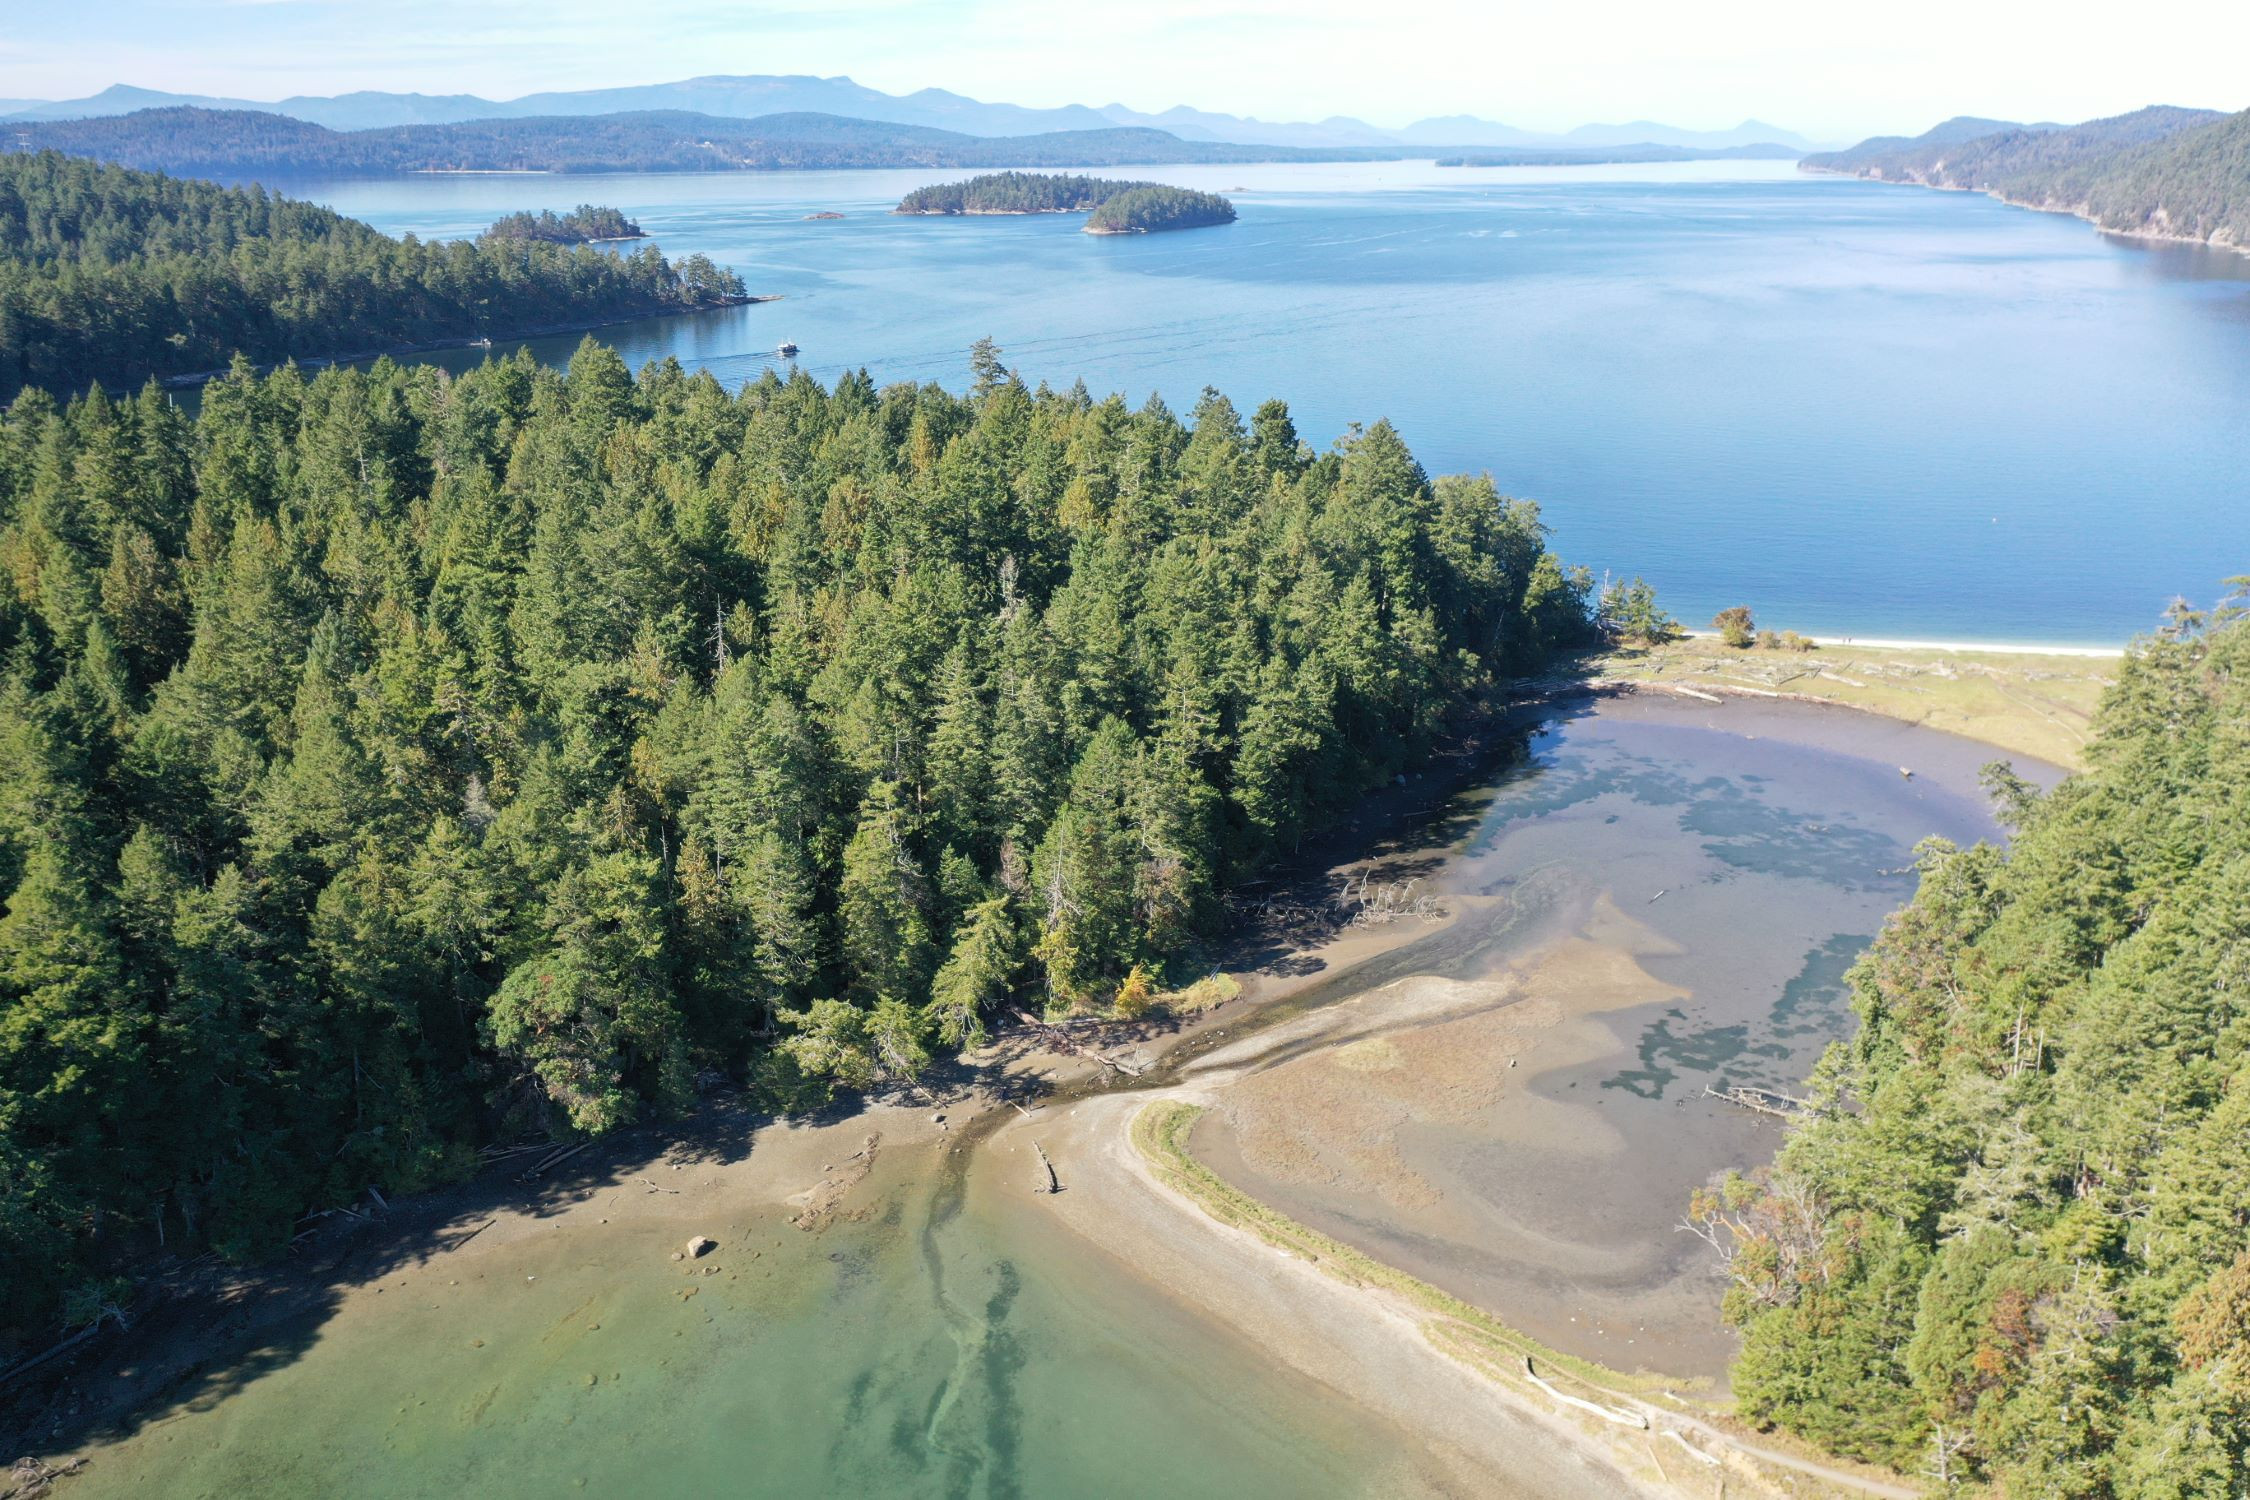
[(203, 1330)]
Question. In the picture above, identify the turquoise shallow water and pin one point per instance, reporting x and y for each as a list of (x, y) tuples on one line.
[(1862, 409), (951, 1342)]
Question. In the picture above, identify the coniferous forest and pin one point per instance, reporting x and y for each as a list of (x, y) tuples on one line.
[(1017, 193), (1155, 208), (582, 225), (115, 275), (396, 760), (2011, 1242)]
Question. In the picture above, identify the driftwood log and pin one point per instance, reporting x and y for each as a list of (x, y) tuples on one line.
[(1059, 1040), (1764, 1101)]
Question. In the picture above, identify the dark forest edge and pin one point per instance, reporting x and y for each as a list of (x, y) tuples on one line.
[(396, 761), (2007, 1243), (120, 276)]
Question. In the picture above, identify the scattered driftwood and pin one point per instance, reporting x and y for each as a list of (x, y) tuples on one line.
[(472, 1234), (34, 1476), (1764, 1101), (1059, 1040), (36, 1360), (1700, 1456), (1607, 1413), (1054, 1182), (652, 1187), (553, 1159), (1377, 905), (824, 1200), (502, 1153)]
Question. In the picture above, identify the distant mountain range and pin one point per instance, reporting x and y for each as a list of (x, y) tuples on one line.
[(238, 144), (757, 95), (2157, 173)]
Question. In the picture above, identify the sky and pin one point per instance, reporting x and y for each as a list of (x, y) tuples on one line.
[(1832, 72)]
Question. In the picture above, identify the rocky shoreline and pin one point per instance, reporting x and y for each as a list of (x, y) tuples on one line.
[(2079, 211)]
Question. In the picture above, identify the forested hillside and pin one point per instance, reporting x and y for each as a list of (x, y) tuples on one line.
[(395, 760), (2012, 1243), (2173, 173), (249, 143), (115, 276)]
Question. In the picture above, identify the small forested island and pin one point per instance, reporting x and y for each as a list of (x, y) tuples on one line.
[(2160, 173), (1016, 193), (114, 275), (1146, 210), (584, 225), (1115, 206)]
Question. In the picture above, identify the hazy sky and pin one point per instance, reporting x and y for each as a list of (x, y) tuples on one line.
[(1831, 71)]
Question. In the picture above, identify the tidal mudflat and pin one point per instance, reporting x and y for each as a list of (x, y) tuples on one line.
[(1663, 899)]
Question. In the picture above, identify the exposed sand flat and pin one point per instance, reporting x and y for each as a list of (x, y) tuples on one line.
[(2029, 700), (1470, 1435)]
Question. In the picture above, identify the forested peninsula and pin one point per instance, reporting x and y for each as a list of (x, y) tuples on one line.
[(2159, 173), (2008, 1242), (118, 276), (396, 761), (586, 224)]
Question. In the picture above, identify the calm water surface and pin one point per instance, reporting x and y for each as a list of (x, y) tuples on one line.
[(1862, 409)]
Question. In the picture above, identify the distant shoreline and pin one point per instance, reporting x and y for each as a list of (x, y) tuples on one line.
[(1882, 643), (198, 378), (2074, 211)]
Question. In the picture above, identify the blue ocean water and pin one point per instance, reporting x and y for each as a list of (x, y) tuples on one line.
[(1860, 409)]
